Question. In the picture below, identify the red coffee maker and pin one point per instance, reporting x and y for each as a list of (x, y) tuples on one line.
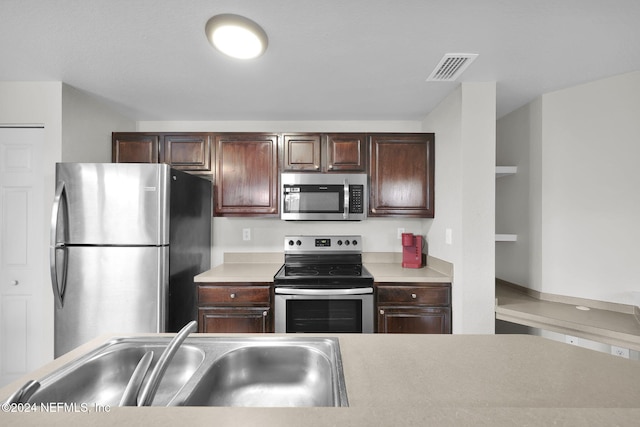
[(411, 250)]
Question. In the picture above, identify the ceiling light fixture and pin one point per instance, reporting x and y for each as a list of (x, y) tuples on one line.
[(236, 36)]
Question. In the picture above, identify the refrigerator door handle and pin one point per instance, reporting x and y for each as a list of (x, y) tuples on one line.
[(54, 246)]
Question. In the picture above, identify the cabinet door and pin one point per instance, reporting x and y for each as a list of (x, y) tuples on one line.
[(234, 319), (135, 148), (346, 152), (189, 152), (414, 320), (247, 175), (401, 167), (302, 152)]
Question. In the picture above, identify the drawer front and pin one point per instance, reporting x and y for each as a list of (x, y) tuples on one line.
[(233, 295), (437, 295)]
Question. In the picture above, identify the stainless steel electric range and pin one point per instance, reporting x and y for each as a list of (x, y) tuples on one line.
[(323, 287)]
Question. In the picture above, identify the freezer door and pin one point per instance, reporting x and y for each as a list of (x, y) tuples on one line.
[(111, 204), (109, 290)]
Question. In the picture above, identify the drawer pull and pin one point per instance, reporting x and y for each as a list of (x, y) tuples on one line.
[(232, 296), (381, 311), (264, 313), (414, 296)]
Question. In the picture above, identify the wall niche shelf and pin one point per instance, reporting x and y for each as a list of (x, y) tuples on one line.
[(500, 172), (505, 170)]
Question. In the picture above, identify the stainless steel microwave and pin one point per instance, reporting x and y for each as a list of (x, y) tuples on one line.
[(323, 196)]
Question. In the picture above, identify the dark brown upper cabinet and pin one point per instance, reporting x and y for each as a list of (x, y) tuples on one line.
[(190, 152), (346, 152), (315, 152), (246, 181), (182, 150), (302, 152), (135, 147), (401, 170)]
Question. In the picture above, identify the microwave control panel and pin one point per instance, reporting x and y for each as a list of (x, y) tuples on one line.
[(356, 197)]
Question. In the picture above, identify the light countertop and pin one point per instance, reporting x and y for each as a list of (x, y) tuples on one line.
[(244, 267), (613, 324), (416, 380), (385, 267)]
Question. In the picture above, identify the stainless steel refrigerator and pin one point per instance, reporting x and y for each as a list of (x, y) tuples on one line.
[(126, 241)]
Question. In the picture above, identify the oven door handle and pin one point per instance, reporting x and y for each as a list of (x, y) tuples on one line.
[(323, 292)]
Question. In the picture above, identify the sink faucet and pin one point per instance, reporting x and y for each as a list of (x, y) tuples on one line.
[(149, 391)]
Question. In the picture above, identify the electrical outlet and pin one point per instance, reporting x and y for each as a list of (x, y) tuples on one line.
[(246, 234), (619, 351), (400, 231), (571, 340)]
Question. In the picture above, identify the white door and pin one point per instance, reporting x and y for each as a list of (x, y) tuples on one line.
[(22, 252)]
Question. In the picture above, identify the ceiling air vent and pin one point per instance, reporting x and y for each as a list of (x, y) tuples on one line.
[(451, 66)]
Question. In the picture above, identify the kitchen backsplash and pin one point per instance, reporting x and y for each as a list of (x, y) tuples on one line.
[(266, 235)]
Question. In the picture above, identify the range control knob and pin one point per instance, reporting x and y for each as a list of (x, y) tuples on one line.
[(290, 242), (355, 243), (339, 242), (346, 242), (298, 242)]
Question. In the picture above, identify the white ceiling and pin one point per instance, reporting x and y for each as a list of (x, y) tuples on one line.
[(327, 59)]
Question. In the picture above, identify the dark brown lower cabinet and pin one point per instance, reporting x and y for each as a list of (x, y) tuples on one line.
[(234, 308), (416, 308)]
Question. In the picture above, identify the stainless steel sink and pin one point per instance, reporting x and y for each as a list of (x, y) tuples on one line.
[(209, 371), (101, 376), (268, 375)]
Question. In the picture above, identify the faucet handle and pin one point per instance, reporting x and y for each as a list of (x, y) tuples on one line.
[(130, 394), (23, 393), (149, 391)]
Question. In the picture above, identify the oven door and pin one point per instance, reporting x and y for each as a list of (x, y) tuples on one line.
[(323, 310)]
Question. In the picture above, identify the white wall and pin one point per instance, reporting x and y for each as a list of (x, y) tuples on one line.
[(515, 139), (87, 124), (267, 235), (24, 103), (280, 126), (464, 124), (580, 146), (591, 190)]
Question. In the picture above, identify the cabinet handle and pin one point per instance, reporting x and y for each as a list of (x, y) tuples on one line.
[(232, 296), (414, 296), (381, 311), (264, 313), (15, 282), (316, 166)]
